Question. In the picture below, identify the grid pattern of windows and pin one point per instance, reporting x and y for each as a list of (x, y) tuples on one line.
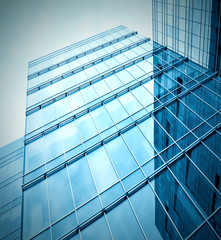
[(191, 28), (125, 145), (11, 169)]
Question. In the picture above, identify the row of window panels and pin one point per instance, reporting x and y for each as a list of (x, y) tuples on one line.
[(118, 109), (78, 50), (201, 5), (80, 55), (183, 24), (197, 37), (67, 137), (78, 99), (158, 91), (76, 45), (192, 52), (11, 169), (77, 184), (9, 193), (181, 19), (91, 93), (11, 157), (180, 10), (115, 80), (80, 77), (130, 103), (93, 73), (10, 223), (197, 30), (83, 60)]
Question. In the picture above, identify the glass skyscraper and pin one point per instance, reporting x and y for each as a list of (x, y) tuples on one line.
[(11, 172), (122, 142), (191, 28)]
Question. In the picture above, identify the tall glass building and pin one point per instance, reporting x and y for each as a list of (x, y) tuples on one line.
[(122, 142), (11, 172), (191, 28)]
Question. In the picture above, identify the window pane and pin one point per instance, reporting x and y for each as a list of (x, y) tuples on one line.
[(102, 169), (35, 210), (61, 201), (123, 223), (81, 181), (121, 156), (97, 230)]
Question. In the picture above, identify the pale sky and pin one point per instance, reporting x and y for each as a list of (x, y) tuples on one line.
[(30, 29)]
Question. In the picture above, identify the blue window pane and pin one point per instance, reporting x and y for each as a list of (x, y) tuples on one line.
[(46, 235), (34, 121), (143, 96), (97, 230), (130, 103), (89, 209), (64, 226), (91, 72), (151, 215), (123, 223), (35, 155), (49, 114), (121, 156), (53, 144), (89, 94), (101, 67), (140, 147), (125, 76), (133, 179), (148, 129), (113, 82), (101, 168), (4, 224), (81, 181), (177, 203), (102, 88), (35, 210), (62, 107), (112, 194), (15, 218), (80, 77), (116, 110), (70, 136), (101, 118), (86, 127), (61, 202), (136, 71), (76, 100), (121, 58)]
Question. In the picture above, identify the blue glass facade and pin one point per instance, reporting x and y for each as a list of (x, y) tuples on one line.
[(11, 172), (191, 28), (122, 142)]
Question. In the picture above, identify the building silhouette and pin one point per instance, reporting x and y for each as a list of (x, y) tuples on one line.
[(122, 142)]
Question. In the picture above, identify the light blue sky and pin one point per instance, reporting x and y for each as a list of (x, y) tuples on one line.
[(30, 29)]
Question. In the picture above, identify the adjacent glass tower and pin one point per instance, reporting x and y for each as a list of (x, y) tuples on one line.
[(11, 172), (191, 28), (122, 142)]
